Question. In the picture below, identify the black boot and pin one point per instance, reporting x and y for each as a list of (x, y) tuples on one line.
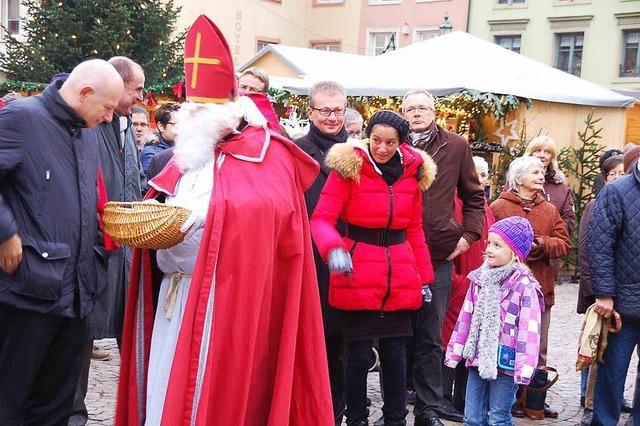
[(397, 422)]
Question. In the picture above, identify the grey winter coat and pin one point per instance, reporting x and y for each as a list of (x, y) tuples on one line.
[(120, 169)]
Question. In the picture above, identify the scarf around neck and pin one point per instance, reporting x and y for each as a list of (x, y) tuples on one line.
[(324, 141), (392, 169), (422, 140), (484, 332)]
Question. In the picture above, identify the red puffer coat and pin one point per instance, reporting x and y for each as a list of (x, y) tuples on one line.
[(383, 278)]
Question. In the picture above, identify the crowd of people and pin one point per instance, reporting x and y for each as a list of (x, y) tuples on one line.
[(302, 259)]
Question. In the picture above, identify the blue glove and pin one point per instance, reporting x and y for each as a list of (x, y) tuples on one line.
[(340, 261), (426, 294)]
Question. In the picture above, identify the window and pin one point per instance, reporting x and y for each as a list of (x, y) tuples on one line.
[(329, 46), (425, 34), (510, 42), (510, 1), (13, 16), (381, 42), (631, 54), (261, 43), (569, 48), (376, 2)]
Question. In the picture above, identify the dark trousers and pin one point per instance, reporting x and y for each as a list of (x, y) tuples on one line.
[(336, 360), (611, 376), (427, 363), (39, 367), (393, 360), (454, 384), (80, 416)]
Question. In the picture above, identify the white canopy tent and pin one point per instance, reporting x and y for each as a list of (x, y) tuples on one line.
[(442, 65)]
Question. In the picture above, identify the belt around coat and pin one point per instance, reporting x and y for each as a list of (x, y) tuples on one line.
[(377, 236)]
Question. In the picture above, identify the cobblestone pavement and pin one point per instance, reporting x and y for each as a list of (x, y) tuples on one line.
[(563, 396)]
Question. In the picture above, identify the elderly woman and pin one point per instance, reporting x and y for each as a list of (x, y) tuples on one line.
[(555, 187), (526, 178), (381, 266)]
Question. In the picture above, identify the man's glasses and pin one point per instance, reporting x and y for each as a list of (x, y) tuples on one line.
[(143, 125), (354, 133), (326, 112), (419, 108)]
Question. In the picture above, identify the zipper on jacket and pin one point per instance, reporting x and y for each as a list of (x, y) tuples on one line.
[(388, 292)]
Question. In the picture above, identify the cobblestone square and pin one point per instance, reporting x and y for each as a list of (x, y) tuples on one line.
[(563, 396)]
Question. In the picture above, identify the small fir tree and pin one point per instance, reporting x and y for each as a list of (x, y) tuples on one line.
[(582, 164), (60, 34)]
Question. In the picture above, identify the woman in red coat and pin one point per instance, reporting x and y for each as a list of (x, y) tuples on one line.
[(381, 264)]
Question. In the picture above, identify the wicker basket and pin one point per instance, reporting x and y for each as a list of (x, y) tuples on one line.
[(145, 225)]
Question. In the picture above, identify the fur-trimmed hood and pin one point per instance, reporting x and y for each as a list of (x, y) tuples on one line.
[(347, 159)]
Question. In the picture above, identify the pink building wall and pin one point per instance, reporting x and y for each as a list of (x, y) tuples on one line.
[(417, 14)]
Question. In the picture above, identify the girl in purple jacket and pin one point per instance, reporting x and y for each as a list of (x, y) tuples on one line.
[(498, 329)]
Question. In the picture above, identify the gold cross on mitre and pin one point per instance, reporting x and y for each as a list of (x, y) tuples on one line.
[(196, 60)]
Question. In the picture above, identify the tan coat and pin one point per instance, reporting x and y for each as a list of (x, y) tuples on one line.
[(550, 234)]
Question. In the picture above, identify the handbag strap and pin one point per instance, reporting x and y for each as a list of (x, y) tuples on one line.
[(549, 382), (617, 322)]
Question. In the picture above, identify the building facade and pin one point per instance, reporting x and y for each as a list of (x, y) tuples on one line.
[(391, 24), (350, 26), (248, 25), (595, 39)]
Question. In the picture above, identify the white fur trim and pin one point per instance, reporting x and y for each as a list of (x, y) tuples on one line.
[(199, 128)]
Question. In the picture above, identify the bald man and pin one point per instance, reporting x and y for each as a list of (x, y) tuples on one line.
[(52, 261)]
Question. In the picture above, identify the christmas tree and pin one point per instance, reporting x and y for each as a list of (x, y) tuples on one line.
[(62, 33)]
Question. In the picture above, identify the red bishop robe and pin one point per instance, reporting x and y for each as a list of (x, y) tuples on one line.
[(251, 344)]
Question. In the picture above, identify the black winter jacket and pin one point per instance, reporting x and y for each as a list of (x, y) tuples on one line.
[(614, 245), (48, 195), (316, 144)]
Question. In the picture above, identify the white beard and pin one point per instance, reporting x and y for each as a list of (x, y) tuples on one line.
[(199, 128)]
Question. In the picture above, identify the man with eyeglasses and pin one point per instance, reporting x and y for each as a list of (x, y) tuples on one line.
[(140, 125), (446, 239), (326, 112), (353, 123)]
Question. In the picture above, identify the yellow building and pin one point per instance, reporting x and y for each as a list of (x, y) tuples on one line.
[(598, 40), (248, 25)]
